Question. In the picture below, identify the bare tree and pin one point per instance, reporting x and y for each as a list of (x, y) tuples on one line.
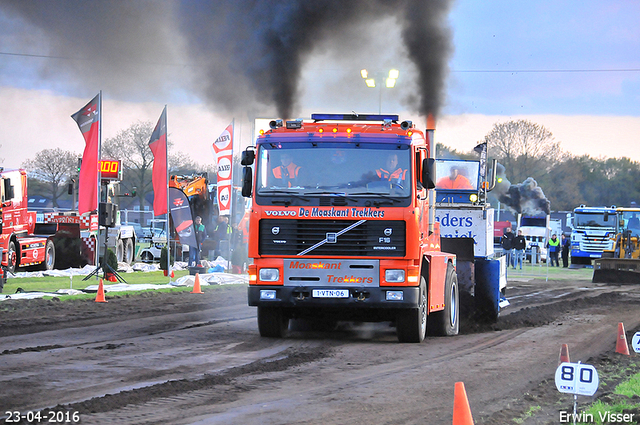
[(132, 147), (54, 167), (524, 148)]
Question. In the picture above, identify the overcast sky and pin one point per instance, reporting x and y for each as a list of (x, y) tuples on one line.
[(571, 66)]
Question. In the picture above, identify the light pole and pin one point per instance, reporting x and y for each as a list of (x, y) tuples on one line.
[(388, 81)]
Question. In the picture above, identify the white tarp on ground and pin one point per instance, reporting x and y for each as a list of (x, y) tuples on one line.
[(219, 265), (219, 278)]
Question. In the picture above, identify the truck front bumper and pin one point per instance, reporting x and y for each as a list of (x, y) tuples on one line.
[(344, 297)]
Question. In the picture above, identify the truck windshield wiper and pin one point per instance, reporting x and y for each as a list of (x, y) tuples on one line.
[(336, 194), (285, 202), (386, 198)]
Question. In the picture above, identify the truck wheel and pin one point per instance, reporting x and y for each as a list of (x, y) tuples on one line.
[(272, 322), (49, 256), (119, 250), (12, 258), (411, 324), (146, 257), (128, 251), (446, 322)]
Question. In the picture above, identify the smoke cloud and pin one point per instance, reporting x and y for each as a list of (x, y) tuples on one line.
[(526, 197), (237, 56)]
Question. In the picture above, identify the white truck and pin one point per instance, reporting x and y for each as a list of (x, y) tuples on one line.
[(536, 230)]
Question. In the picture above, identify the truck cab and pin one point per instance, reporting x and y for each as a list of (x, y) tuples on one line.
[(341, 227)]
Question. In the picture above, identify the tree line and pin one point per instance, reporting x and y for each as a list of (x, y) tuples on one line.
[(525, 149)]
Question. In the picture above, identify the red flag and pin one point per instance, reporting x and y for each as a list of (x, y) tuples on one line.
[(223, 148), (158, 145), (88, 120)]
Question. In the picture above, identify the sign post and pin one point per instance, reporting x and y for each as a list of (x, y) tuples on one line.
[(577, 379)]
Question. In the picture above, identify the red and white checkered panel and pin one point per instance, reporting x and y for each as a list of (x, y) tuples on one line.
[(89, 249)]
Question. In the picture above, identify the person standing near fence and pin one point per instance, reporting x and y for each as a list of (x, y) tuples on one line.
[(519, 245), (507, 245), (553, 248), (565, 244)]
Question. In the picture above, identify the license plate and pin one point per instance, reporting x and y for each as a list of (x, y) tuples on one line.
[(330, 293)]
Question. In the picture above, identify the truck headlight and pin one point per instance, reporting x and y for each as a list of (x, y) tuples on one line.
[(269, 275), (268, 294), (395, 296), (394, 275)]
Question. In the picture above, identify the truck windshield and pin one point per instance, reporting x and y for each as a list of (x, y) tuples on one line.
[(305, 171), (632, 222), (457, 174), (595, 220)]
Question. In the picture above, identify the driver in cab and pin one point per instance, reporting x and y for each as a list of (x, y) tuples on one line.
[(392, 171), (286, 174), (455, 180)]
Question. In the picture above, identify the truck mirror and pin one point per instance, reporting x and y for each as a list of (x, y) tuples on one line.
[(247, 157), (247, 181), (428, 173)]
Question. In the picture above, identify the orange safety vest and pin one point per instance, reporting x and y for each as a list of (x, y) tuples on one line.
[(397, 175), (286, 173), (460, 182)]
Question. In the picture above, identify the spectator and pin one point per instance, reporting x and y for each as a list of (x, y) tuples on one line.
[(201, 235), (566, 245), (519, 245), (553, 247), (222, 236), (507, 245)]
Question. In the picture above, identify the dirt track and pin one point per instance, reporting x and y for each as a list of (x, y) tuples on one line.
[(185, 358)]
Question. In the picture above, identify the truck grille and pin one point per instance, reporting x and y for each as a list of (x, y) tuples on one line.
[(369, 238)]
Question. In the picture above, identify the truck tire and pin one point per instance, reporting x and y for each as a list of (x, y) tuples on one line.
[(119, 250), (12, 258), (128, 251), (49, 256), (272, 323), (447, 322), (146, 257), (411, 324)]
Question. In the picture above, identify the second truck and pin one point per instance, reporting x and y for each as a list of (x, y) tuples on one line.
[(342, 227)]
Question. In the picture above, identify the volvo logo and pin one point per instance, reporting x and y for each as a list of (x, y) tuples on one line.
[(388, 231), (275, 230)]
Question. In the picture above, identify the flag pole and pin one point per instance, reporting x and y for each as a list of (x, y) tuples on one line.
[(166, 155), (233, 200), (98, 194)]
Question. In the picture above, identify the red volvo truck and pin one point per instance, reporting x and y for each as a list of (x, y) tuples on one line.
[(342, 227)]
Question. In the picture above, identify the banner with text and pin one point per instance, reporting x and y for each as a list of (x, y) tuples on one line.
[(223, 149)]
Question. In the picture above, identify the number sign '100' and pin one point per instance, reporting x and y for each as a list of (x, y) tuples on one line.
[(110, 169)]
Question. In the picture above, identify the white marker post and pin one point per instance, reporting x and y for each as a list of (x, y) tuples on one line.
[(577, 379), (635, 342)]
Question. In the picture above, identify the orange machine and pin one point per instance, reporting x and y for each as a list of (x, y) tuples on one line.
[(342, 227)]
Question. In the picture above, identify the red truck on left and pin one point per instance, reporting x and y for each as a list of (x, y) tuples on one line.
[(25, 243)]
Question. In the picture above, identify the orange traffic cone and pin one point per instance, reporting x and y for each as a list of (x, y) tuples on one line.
[(564, 355), (461, 409), (196, 285), (100, 296), (621, 344)]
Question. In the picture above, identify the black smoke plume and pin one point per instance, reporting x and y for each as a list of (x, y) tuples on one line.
[(526, 197), (238, 55)]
